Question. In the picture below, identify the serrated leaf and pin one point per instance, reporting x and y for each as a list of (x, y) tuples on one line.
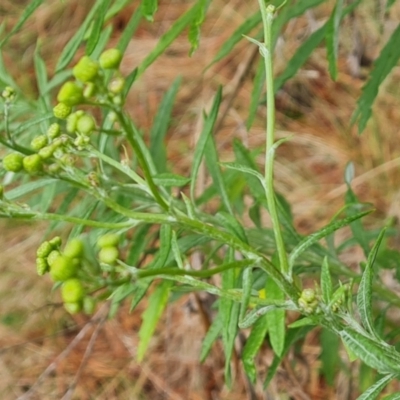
[(326, 282), (160, 126), (150, 317), (252, 346), (386, 61), (364, 295), (374, 391), (210, 337), (325, 231), (332, 38)]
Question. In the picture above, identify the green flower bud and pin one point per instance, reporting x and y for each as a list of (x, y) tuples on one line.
[(108, 255), (72, 121), (88, 305), (70, 94), (73, 308), (63, 268), (308, 295), (116, 85), (72, 291), (8, 93), (13, 162), (62, 110), (39, 142), (54, 254), (86, 124), (41, 266), (68, 160), (44, 249), (54, 131), (108, 240), (53, 168), (86, 69), (55, 242), (47, 152), (110, 59), (32, 164), (74, 248)]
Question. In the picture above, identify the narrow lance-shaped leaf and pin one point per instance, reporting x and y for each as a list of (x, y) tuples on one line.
[(252, 346), (364, 295), (156, 305), (247, 283), (211, 336), (374, 391), (194, 30), (394, 396), (149, 8), (275, 318), (315, 237), (330, 355), (332, 38), (201, 144), (387, 60), (326, 282)]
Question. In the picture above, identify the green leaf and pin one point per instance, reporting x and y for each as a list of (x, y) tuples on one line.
[(326, 282), (166, 39), (232, 224), (74, 43), (28, 188), (129, 30), (167, 180), (194, 29), (373, 392), (247, 283), (122, 292), (29, 9), (104, 38), (252, 346), (210, 337), (155, 307), (394, 396), (302, 322), (364, 295), (325, 231), (258, 85), (201, 144), (369, 351), (5, 76), (160, 126), (249, 23), (97, 26), (149, 8), (330, 355), (332, 38), (118, 6), (387, 60), (244, 169), (275, 318), (41, 71), (139, 242)]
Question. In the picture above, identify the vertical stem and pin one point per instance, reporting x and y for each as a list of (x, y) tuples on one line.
[(267, 14)]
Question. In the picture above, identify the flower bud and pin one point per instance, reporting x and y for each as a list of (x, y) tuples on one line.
[(70, 94), (32, 164), (62, 110), (13, 162), (86, 69), (53, 131), (39, 142), (110, 59), (85, 124)]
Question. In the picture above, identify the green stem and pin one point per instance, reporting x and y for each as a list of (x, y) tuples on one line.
[(267, 14)]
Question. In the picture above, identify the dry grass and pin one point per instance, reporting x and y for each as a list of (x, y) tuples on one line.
[(35, 332)]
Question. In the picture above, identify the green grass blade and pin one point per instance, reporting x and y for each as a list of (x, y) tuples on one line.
[(252, 346), (326, 230), (28, 11), (211, 336), (258, 85), (118, 6), (97, 26), (201, 144), (387, 60), (166, 39), (149, 8), (102, 42), (150, 317), (74, 43), (375, 390), (275, 318), (364, 295), (160, 127)]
